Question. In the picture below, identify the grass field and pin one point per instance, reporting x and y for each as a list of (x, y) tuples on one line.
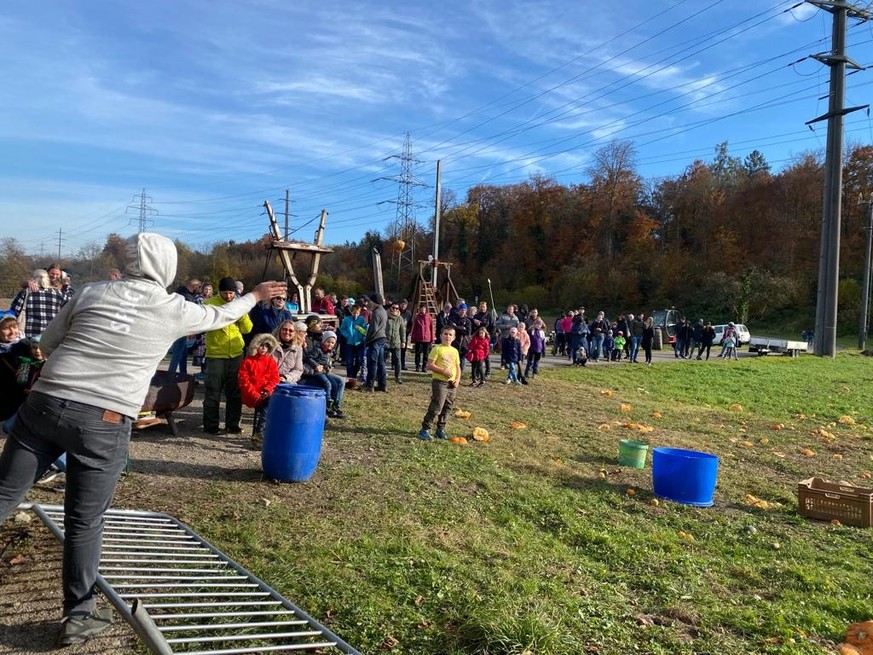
[(531, 543)]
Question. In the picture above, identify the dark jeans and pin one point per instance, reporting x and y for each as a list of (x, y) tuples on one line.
[(376, 374), (422, 350), (179, 356), (260, 419), (533, 362), (478, 367), (221, 375), (634, 347), (596, 347), (442, 399), (96, 443), (647, 348), (334, 386), (396, 362), (354, 359)]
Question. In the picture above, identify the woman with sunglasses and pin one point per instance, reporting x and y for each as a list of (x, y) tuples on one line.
[(289, 355)]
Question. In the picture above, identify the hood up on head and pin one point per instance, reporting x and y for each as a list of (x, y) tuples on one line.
[(259, 340), (151, 256)]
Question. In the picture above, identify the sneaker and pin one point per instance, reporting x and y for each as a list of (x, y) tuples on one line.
[(424, 435), (398, 381), (48, 476), (211, 430), (338, 413), (258, 439), (440, 434), (79, 628), (331, 413)]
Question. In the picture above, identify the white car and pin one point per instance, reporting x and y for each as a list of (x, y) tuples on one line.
[(742, 331)]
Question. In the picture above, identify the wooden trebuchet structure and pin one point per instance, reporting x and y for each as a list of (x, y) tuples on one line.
[(430, 295), (289, 249)]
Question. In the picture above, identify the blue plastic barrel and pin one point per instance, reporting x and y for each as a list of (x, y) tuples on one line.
[(686, 476), (295, 427)]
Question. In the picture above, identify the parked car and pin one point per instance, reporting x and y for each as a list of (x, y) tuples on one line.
[(742, 331)]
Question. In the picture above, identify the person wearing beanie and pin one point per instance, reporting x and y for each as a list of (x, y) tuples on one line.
[(395, 333), (116, 331), (377, 377), (224, 354), (313, 330), (258, 376), (317, 363)]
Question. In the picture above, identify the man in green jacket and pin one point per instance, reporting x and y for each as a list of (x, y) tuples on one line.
[(224, 353)]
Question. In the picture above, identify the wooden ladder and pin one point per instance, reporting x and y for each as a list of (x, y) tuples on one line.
[(427, 297)]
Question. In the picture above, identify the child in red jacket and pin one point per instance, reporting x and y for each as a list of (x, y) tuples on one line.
[(477, 352), (258, 376)]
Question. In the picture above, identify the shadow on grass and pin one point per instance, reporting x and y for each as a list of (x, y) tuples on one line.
[(352, 429)]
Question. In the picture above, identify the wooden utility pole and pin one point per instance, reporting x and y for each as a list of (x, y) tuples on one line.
[(436, 220), (829, 258), (287, 211)]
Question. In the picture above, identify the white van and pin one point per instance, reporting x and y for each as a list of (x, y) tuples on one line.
[(742, 331)]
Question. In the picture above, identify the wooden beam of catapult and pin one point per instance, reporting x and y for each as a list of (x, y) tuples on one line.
[(287, 250)]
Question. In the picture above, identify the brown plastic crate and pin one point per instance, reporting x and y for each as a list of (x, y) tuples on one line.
[(850, 505)]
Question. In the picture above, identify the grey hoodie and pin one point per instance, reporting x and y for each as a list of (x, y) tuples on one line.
[(104, 345)]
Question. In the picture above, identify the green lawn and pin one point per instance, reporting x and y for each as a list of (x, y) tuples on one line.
[(531, 543)]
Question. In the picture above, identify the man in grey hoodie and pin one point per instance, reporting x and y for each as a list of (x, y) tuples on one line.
[(103, 348)]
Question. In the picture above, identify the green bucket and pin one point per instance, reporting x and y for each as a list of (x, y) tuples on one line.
[(632, 453)]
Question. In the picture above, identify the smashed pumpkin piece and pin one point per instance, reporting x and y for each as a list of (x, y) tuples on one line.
[(517, 425), (458, 440), (655, 414), (604, 426), (607, 393), (858, 639), (760, 503), (625, 408), (481, 434), (807, 452), (736, 407), (846, 420), (778, 426), (462, 414)]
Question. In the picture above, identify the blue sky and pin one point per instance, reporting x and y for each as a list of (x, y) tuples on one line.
[(214, 106)]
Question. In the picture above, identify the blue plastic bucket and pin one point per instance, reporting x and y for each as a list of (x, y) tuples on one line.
[(294, 431), (686, 476)]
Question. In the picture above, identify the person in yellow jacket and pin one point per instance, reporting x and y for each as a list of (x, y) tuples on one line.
[(224, 353)]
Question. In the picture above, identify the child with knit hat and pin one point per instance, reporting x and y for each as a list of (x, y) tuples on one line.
[(317, 363)]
